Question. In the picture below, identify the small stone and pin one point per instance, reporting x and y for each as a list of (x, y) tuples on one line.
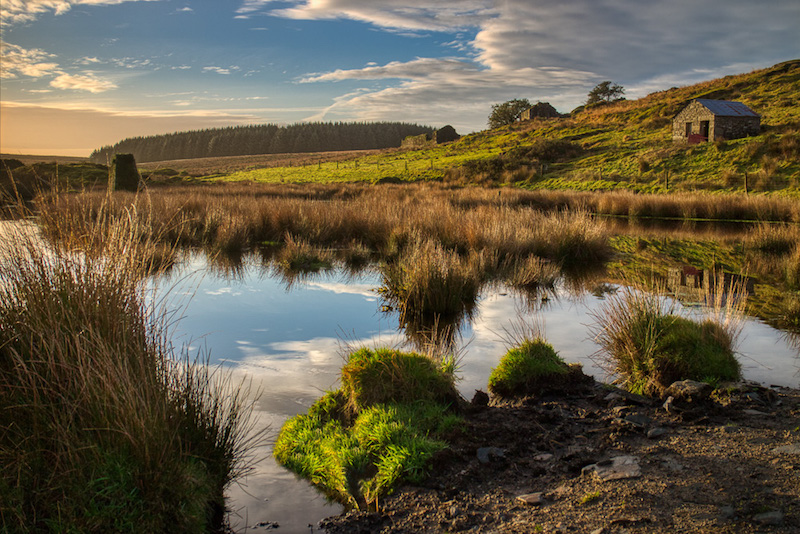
[(774, 518), (638, 420), (750, 411), (601, 530), (672, 465), (487, 454), (617, 468), (787, 449), (531, 498), (689, 390), (545, 456), (481, 398), (613, 397), (669, 405), (657, 432), (727, 512)]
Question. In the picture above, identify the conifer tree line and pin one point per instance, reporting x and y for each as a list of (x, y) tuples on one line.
[(262, 139)]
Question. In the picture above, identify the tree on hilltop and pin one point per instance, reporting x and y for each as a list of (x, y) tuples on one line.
[(605, 92)]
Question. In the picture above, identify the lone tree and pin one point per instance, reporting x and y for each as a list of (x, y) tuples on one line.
[(507, 112), (605, 92)]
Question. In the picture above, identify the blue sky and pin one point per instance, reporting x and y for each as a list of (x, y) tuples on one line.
[(78, 74)]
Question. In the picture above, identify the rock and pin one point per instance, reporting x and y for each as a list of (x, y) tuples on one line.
[(617, 468), (487, 454), (750, 411), (727, 512), (481, 398), (601, 530), (672, 465), (545, 456), (689, 391), (787, 449), (638, 420), (655, 433), (531, 498), (774, 518), (669, 405)]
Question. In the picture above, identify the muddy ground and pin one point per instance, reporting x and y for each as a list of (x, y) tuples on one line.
[(730, 465)]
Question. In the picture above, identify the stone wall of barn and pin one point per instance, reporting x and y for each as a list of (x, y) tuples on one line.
[(736, 127), (695, 113)]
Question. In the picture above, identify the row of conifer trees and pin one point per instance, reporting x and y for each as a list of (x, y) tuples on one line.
[(262, 139)]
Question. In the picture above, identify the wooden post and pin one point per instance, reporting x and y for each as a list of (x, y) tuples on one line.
[(319, 164), (666, 179), (745, 183)]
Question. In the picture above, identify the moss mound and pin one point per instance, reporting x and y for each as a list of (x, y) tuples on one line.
[(382, 427), (533, 368)]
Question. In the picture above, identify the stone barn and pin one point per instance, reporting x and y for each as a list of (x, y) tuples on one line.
[(708, 120)]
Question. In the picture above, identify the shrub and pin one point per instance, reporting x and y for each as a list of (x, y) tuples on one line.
[(650, 347), (532, 368)]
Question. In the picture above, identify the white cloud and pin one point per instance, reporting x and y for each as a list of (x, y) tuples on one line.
[(82, 82), (221, 70), (17, 61), (27, 10), (547, 50)]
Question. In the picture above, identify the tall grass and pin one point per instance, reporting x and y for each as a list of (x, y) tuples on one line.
[(648, 344), (104, 429)]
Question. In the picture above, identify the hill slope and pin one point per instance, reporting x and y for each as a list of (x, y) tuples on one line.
[(623, 145)]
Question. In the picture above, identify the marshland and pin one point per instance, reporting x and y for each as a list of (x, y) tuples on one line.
[(168, 353)]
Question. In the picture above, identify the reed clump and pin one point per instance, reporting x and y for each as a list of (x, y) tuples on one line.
[(104, 429), (649, 345), (382, 427)]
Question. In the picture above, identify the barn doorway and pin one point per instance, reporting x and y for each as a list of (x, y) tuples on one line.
[(704, 126)]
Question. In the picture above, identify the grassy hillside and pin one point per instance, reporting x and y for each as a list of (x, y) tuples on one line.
[(624, 145)]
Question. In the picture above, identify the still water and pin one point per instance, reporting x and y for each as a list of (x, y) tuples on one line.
[(290, 339)]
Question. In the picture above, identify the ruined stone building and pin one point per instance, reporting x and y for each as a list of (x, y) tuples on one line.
[(708, 120), (540, 109)]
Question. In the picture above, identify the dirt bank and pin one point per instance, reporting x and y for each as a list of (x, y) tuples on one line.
[(730, 465)]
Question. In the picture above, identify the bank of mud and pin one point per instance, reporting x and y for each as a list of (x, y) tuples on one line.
[(603, 461)]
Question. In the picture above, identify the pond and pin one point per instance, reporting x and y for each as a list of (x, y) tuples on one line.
[(290, 337)]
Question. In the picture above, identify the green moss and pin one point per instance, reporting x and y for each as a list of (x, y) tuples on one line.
[(388, 375), (531, 368), (382, 428)]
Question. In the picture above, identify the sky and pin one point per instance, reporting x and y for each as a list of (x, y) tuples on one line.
[(81, 74)]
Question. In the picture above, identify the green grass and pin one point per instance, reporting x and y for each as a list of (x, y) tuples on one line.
[(381, 428)]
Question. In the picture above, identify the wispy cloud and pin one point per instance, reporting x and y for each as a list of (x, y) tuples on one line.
[(82, 82), (17, 61), (12, 11), (221, 70)]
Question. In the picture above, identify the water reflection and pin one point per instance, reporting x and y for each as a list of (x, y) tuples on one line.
[(290, 339)]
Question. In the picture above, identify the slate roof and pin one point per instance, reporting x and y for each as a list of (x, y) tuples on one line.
[(726, 108)]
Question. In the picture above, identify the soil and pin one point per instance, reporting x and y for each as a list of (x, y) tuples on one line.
[(723, 465)]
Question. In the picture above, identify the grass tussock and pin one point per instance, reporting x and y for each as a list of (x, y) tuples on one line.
[(649, 345), (103, 430), (532, 368), (383, 427)]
